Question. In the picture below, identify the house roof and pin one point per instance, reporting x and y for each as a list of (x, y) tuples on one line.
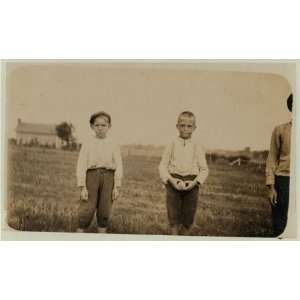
[(36, 128)]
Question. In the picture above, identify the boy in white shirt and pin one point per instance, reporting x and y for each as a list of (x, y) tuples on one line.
[(99, 174), (183, 169)]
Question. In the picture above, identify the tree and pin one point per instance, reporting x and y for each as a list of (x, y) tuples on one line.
[(65, 132), (12, 141)]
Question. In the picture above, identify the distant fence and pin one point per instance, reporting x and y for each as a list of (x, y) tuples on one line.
[(139, 151), (256, 158)]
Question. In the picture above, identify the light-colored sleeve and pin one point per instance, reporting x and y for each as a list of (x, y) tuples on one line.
[(273, 157), (119, 166), (82, 165), (164, 164), (202, 165)]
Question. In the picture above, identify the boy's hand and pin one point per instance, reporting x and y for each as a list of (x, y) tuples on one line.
[(180, 185), (177, 184), (190, 184), (115, 193), (84, 194), (272, 195)]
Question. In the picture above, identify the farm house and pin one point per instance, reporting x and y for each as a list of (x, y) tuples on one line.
[(41, 134)]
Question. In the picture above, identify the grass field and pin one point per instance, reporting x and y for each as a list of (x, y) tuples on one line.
[(42, 196)]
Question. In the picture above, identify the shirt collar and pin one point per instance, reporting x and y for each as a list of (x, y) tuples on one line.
[(94, 136), (184, 141)]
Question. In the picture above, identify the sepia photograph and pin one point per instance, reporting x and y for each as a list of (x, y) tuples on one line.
[(158, 148), (149, 148)]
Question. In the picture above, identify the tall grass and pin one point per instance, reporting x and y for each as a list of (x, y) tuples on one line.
[(42, 196)]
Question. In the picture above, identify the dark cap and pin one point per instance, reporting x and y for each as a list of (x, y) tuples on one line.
[(289, 102)]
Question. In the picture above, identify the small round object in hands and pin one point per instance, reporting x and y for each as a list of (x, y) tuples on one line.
[(181, 185)]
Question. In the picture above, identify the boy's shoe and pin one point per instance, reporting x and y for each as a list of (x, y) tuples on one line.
[(174, 230), (185, 231), (79, 230), (102, 229)]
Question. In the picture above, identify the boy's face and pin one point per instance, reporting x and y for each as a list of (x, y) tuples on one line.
[(186, 126), (100, 127)]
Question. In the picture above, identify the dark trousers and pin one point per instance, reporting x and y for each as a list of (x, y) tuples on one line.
[(99, 183), (280, 210), (182, 205)]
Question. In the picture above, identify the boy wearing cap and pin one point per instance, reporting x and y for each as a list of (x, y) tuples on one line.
[(99, 174)]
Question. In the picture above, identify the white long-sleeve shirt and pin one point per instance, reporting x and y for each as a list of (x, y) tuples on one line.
[(99, 153), (183, 157)]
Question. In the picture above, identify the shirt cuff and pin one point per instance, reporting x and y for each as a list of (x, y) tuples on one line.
[(118, 183), (200, 180), (166, 178), (81, 182), (270, 181)]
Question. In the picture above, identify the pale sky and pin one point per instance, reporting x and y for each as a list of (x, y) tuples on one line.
[(233, 109)]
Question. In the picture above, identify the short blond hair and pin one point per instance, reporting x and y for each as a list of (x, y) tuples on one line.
[(188, 114)]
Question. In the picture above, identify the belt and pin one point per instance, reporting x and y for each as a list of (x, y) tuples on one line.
[(100, 169)]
